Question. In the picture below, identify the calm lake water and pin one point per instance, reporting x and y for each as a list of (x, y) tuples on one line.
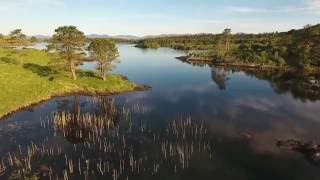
[(197, 121)]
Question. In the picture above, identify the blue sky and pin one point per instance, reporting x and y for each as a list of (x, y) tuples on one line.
[(151, 17)]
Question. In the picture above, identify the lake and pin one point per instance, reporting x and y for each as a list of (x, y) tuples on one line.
[(197, 121)]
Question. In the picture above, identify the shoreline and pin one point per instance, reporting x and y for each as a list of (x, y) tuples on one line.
[(138, 88), (194, 59), (211, 61), (313, 86), (25, 86)]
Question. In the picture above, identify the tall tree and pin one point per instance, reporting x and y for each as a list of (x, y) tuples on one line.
[(227, 38), (2, 40), (17, 34), (69, 42), (17, 38), (105, 51), (33, 39)]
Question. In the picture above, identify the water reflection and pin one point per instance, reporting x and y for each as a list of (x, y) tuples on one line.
[(220, 76), (197, 122), (303, 86), (77, 126), (98, 146)]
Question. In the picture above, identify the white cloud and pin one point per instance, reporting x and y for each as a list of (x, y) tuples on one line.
[(311, 6)]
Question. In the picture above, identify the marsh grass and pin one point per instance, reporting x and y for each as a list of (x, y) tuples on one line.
[(112, 142)]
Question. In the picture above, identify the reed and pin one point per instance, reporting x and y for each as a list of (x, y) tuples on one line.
[(107, 142)]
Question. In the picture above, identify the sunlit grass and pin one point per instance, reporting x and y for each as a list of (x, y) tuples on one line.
[(26, 78)]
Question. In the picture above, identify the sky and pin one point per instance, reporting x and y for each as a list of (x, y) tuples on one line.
[(154, 17)]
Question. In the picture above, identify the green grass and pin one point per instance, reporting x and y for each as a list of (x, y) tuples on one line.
[(26, 78)]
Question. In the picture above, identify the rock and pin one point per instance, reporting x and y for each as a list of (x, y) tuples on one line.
[(316, 157), (142, 88), (310, 150)]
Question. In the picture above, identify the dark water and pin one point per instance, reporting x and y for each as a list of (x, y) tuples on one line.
[(197, 122)]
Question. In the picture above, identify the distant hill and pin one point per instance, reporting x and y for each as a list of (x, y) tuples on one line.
[(42, 36), (126, 37), (164, 35), (98, 36)]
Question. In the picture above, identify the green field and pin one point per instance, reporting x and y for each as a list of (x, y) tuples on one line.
[(26, 77)]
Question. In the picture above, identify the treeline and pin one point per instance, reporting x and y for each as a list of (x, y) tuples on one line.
[(185, 42), (116, 40), (16, 38), (297, 48)]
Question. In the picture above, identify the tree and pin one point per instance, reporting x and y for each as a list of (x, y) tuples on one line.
[(220, 77), (16, 38), (105, 51), (69, 42), (17, 34), (33, 39), (307, 26), (2, 40), (227, 36), (315, 53)]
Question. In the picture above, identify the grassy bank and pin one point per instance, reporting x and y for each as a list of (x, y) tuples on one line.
[(26, 78)]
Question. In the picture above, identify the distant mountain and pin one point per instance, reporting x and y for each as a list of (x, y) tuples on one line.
[(98, 36), (42, 36), (126, 37), (163, 35)]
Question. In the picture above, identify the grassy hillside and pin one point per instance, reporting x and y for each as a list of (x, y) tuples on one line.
[(26, 78)]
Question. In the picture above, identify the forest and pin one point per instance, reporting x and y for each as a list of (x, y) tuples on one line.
[(295, 48)]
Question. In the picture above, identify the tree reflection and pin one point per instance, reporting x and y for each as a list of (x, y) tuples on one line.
[(78, 127), (220, 76), (301, 85)]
